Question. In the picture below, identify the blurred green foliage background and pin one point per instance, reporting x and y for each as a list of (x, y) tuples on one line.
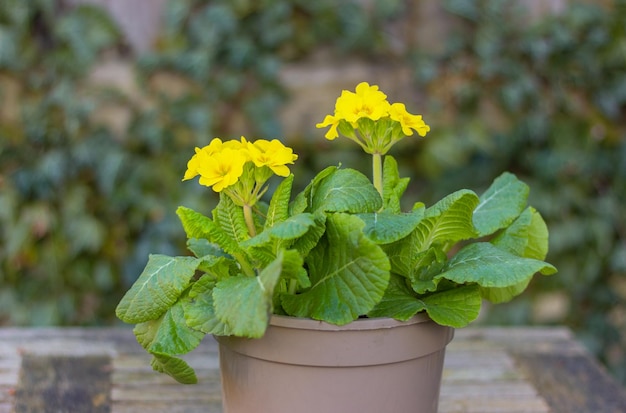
[(83, 202)]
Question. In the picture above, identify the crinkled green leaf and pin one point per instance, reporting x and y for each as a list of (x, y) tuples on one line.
[(502, 295), (197, 225), (346, 190), (158, 287), (293, 270), (175, 367), (168, 334), (448, 221), (527, 236), (426, 266), (443, 224), (489, 266), (393, 185), (201, 247), (501, 203), (279, 205), (200, 311), (456, 307), (291, 228), (349, 274), (385, 227), (231, 220), (302, 202), (399, 301), (309, 240), (244, 303)]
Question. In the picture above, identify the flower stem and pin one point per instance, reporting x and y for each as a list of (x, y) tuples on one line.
[(377, 167), (247, 214)]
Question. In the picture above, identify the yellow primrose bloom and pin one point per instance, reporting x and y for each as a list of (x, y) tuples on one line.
[(200, 156), (333, 122), (222, 169), (272, 154), (407, 120), (367, 102)]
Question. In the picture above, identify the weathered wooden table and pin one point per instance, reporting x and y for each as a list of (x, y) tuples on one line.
[(487, 370)]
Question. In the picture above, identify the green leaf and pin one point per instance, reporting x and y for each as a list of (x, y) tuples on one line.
[(199, 309), (201, 247), (387, 227), (231, 220), (349, 274), (302, 201), (503, 201), (168, 334), (393, 185), (197, 225), (502, 295), (448, 221), (278, 210), (346, 190), (244, 303), (158, 287), (456, 307), (489, 266), (426, 266), (308, 241), (175, 367), (293, 268), (289, 229), (399, 301), (527, 236)]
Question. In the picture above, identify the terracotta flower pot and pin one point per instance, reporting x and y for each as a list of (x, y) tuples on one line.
[(306, 366)]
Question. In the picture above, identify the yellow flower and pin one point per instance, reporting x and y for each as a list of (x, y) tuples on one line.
[(200, 157), (221, 169), (333, 122), (367, 102), (407, 120), (272, 154)]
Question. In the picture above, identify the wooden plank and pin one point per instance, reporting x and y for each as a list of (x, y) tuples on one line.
[(572, 384), (486, 370)]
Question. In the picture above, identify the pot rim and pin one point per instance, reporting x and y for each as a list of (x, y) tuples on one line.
[(359, 324)]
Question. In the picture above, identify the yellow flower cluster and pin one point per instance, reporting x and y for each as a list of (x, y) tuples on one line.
[(369, 103), (240, 166)]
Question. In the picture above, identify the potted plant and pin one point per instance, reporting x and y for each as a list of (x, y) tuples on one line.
[(338, 264)]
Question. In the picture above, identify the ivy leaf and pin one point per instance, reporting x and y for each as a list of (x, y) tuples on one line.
[(489, 266), (456, 307), (279, 205), (501, 203), (158, 287), (175, 367), (386, 227), (244, 303), (346, 190), (349, 274), (399, 301)]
